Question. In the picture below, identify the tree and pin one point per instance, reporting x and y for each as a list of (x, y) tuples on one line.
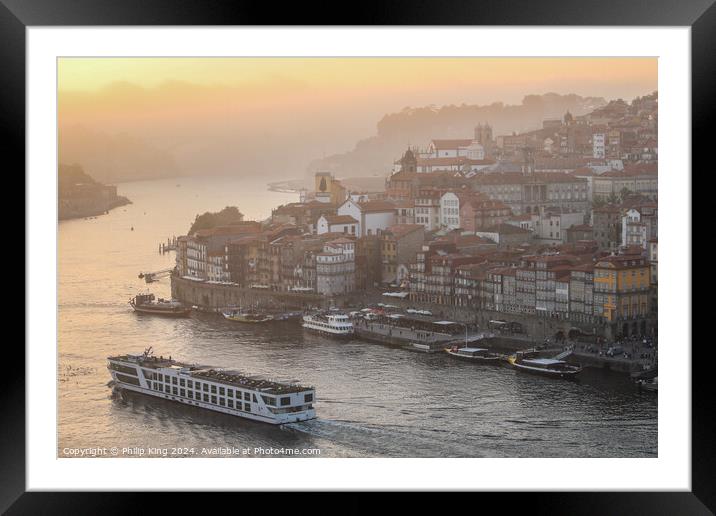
[(227, 216)]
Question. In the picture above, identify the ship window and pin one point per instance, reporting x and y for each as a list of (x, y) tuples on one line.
[(161, 377), (182, 383), (123, 368), (230, 392), (174, 380), (285, 401), (213, 400), (247, 397), (206, 387), (197, 386), (174, 390), (127, 379), (222, 391), (190, 384), (213, 389), (222, 402), (206, 397), (254, 397), (308, 398), (182, 393), (230, 403), (247, 407)]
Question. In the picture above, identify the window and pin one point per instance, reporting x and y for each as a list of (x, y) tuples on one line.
[(174, 391), (182, 393), (206, 387), (230, 393), (213, 389), (285, 401), (247, 396), (308, 398), (222, 402), (206, 397), (190, 384), (213, 400), (174, 380), (182, 382), (247, 407), (230, 403), (222, 391)]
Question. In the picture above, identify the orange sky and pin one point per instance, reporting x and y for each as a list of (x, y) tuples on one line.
[(190, 106), (532, 75)]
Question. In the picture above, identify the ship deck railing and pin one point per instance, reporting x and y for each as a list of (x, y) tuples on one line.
[(249, 382)]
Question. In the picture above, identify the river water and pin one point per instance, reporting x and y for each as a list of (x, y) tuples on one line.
[(372, 401)]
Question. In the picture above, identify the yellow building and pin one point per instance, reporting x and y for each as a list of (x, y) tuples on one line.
[(621, 290), (329, 189)]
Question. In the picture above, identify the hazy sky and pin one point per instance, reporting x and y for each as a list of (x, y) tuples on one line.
[(195, 105), (451, 80)]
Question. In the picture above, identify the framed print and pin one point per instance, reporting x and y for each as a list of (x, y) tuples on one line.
[(421, 255)]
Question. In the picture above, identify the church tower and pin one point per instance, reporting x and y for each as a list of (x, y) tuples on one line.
[(409, 161)]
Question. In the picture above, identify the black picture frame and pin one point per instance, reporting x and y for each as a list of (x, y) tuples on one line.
[(17, 15)]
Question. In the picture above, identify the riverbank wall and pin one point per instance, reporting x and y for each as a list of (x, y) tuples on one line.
[(213, 296)]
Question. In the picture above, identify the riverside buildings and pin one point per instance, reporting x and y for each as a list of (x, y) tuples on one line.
[(557, 224)]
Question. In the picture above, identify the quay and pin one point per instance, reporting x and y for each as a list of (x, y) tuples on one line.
[(170, 245), (415, 332)]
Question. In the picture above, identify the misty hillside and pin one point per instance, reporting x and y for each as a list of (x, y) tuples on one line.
[(417, 126), (114, 158)]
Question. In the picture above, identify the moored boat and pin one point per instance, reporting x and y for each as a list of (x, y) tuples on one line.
[(544, 366), (481, 355), (331, 324), (246, 317), (651, 384), (146, 304)]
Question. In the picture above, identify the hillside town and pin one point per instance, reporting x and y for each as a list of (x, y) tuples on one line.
[(558, 224)]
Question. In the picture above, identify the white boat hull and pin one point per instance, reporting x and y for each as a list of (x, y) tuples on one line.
[(279, 419)]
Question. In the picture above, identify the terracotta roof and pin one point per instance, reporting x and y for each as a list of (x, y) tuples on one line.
[(636, 169), (376, 206), (454, 160), (340, 240), (400, 230), (451, 144), (234, 229), (339, 219)]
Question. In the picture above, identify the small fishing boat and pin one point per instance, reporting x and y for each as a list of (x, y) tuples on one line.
[(481, 355), (545, 366), (146, 304), (248, 317), (651, 384)]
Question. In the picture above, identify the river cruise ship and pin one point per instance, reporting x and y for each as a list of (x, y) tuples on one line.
[(331, 324), (212, 388)]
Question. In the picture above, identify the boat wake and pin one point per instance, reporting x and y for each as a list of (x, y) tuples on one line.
[(376, 440)]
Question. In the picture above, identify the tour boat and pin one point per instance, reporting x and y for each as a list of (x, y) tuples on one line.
[(544, 366), (145, 303), (331, 324), (247, 317), (482, 355), (211, 388)]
